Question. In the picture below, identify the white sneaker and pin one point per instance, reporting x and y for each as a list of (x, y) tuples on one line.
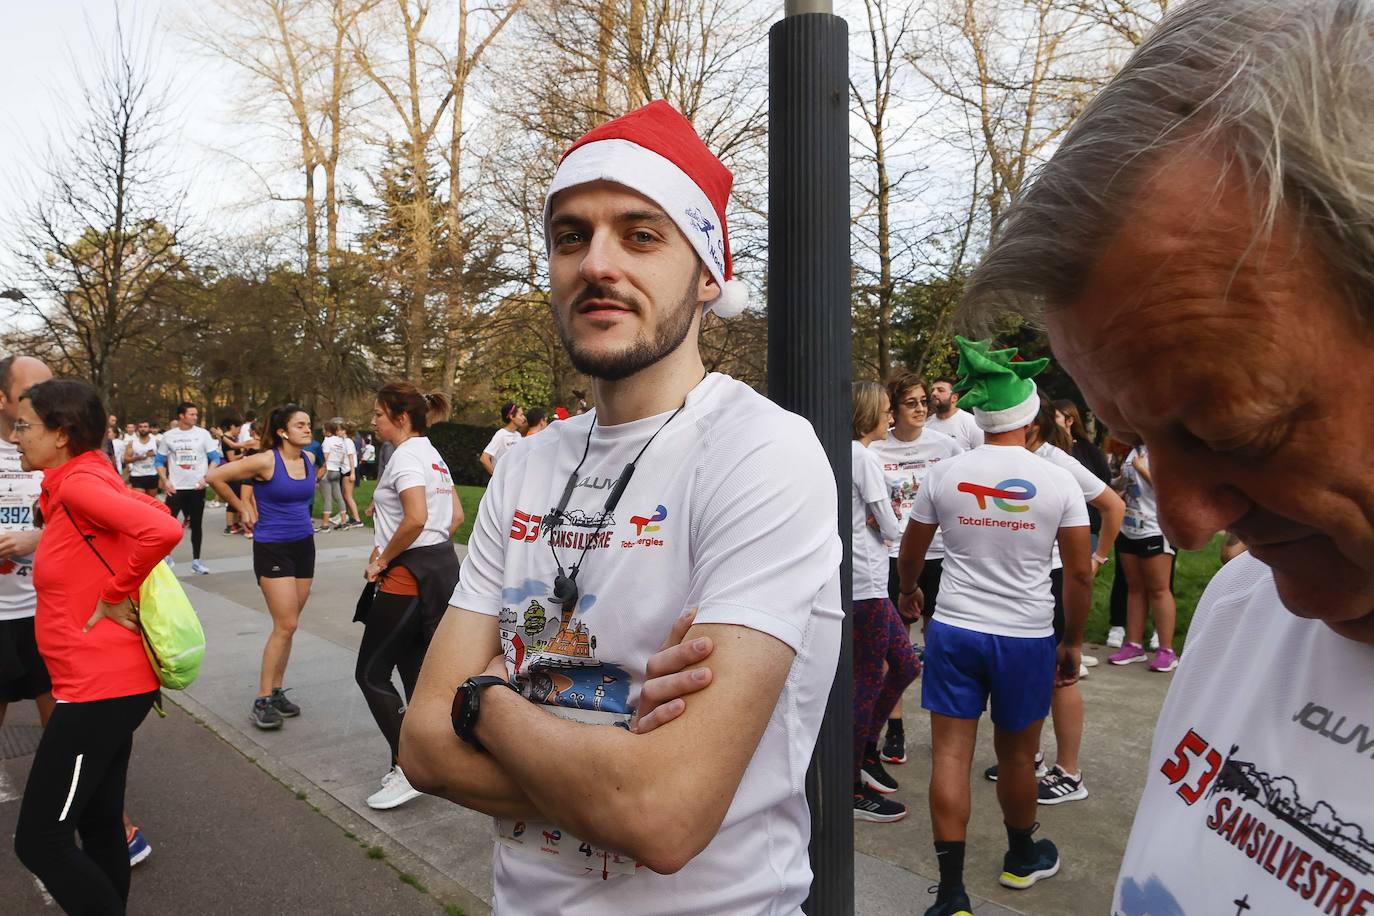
[(396, 790), (1154, 642), (199, 568), (1089, 661), (1083, 671), (1116, 636)]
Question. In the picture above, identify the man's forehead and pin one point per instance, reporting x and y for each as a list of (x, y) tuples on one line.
[(602, 197)]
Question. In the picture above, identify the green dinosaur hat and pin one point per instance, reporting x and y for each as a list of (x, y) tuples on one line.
[(997, 388)]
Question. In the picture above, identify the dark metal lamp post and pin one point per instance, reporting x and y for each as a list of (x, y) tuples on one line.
[(809, 368)]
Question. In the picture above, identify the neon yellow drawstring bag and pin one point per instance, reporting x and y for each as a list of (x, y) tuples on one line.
[(172, 635)]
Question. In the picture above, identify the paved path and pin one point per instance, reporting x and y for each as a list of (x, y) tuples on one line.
[(334, 755)]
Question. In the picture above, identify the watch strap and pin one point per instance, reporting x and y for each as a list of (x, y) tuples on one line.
[(467, 706)]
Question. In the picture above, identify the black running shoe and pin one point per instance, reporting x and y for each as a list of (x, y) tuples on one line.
[(894, 746), (265, 715), (1040, 770), (1020, 874), (875, 777), (870, 806), (282, 704), (954, 903)]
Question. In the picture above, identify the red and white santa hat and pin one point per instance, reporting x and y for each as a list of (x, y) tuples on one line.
[(655, 152)]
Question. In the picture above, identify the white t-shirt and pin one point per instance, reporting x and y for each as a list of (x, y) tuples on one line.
[(1091, 485), (351, 448), (905, 465), (245, 432), (732, 511), (961, 425), (415, 463), (144, 463), (1258, 787), (117, 452), (19, 490), (500, 443), (1000, 508), (187, 452), (868, 567), (369, 452), (335, 453), (1142, 515)]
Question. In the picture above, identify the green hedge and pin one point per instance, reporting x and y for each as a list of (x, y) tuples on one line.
[(461, 444)]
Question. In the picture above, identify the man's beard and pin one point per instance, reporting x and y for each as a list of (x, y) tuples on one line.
[(642, 352)]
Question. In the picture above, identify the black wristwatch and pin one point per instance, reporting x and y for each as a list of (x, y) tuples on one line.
[(466, 705)]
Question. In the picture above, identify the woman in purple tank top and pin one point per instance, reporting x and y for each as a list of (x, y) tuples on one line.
[(275, 506)]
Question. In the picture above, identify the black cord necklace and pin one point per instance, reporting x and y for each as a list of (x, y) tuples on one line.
[(565, 593)]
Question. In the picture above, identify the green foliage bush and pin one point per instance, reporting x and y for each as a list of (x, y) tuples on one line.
[(461, 444)]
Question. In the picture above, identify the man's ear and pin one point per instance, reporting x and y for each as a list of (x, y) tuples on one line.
[(707, 287)]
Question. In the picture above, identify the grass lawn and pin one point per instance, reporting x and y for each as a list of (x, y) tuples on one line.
[(363, 494), (1193, 571)]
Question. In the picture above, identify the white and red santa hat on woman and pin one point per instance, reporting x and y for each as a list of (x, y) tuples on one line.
[(655, 152)]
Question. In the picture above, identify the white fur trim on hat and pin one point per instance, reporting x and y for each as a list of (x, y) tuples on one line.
[(733, 298), (657, 178), (1002, 421)]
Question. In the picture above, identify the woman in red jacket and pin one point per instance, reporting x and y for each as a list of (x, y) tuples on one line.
[(88, 635)]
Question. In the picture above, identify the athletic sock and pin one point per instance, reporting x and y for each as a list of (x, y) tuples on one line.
[(1019, 840), (950, 855), (895, 727)]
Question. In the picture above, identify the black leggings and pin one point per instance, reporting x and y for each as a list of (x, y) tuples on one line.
[(393, 637), (76, 785), (190, 503)]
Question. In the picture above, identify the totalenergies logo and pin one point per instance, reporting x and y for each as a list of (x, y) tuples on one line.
[(645, 524), (1003, 494)]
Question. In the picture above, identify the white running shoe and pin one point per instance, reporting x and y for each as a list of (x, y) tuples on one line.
[(396, 790), (199, 568), (1154, 642), (1083, 671), (1115, 637), (1089, 661)]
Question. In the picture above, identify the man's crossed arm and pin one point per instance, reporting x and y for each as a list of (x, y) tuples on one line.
[(658, 794)]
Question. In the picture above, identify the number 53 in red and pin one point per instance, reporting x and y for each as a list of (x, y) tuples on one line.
[(1176, 769)]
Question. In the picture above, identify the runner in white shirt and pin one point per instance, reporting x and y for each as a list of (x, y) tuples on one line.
[(23, 675), (907, 455), (348, 477), (1147, 559), (884, 662), (184, 456), (1001, 510), (509, 434), (948, 419), (140, 459), (335, 463), (715, 499)]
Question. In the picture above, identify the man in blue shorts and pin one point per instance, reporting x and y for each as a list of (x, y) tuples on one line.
[(1000, 508)]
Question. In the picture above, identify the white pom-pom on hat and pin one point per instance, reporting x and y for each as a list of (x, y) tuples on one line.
[(734, 296)]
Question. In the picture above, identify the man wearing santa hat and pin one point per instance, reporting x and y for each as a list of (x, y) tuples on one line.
[(684, 503)]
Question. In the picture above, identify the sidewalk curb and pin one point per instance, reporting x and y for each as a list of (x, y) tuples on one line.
[(399, 856)]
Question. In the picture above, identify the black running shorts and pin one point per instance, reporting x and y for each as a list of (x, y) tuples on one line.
[(284, 559), (1144, 547), (23, 676)]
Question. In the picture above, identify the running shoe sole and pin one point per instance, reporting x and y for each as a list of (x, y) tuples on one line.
[(1165, 670), (1025, 882), (1075, 795), (886, 759), (1143, 657), (396, 802), (873, 818), (874, 784)]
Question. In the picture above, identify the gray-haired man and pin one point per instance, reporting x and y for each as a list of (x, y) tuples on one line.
[(1202, 239)]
